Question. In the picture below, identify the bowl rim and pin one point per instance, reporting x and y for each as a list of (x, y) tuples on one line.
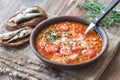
[(60, 64)]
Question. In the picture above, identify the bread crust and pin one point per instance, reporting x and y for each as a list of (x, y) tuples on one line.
[(16, 43), (16, 38), (32, 23)]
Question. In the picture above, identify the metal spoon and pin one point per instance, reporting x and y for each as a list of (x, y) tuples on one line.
[(100, 16)]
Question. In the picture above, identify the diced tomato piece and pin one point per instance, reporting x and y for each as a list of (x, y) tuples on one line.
[(78, 29), (90, 53), (51, 47), (62, 27), (75, 48)]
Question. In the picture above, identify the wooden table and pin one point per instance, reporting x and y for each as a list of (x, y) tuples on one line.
[(61, 7)]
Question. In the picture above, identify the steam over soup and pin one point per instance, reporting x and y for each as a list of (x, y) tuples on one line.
[(66, 43)]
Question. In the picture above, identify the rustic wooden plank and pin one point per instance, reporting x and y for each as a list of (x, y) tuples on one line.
[(51, 6), (74, 11), (19, 61), (113, 70), (96, 71), (66, 8), (4, 77), (8, 7)]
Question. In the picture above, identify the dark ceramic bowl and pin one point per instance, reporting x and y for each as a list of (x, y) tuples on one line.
[(48, 22)]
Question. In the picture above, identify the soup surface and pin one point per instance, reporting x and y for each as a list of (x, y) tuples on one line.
[(66, 43)]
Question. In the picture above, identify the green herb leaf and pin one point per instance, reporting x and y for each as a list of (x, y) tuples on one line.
[(95, 8), (52, 35)]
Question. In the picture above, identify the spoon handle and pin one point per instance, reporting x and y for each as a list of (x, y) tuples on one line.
[(100, 16)]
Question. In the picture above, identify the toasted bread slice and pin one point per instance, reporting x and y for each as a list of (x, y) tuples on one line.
[(15, 43), (9, 25), (16, 37)]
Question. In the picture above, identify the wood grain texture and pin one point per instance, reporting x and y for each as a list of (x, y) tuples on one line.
[(28, 66), (112, 72), (61, 7), (115, 30)]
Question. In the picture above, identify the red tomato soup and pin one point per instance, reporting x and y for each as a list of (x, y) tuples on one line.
[(66, 43)]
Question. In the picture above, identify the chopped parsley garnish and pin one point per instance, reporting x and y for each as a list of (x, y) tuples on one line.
[(66, 34), (52, 35)]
